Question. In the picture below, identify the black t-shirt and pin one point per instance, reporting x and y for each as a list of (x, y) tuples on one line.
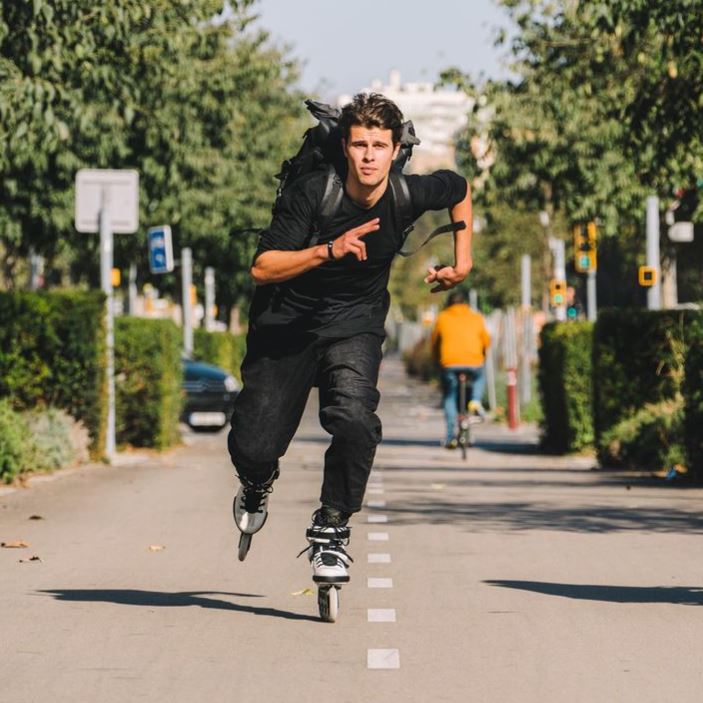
[(344, 297)]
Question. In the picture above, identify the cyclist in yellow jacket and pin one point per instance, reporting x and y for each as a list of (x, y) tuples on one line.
[(459, 342)]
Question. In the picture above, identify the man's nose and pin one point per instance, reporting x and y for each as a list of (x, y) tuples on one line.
[(368, 153)]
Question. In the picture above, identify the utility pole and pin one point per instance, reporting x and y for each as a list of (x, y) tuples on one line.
[(209, 297), (525, 385), (653, 256), (186, 283)]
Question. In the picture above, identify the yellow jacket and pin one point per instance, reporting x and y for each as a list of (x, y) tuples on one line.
[(460, 337)]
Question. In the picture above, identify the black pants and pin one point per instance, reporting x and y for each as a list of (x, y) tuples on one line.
[(276, 387)]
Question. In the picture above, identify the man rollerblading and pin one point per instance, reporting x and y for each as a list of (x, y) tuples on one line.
[(318, 312)]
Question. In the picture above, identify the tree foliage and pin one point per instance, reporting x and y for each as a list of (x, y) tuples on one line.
[(604, 109), (201, 105)]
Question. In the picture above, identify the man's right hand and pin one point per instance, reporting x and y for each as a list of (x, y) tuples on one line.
[(351, 242)]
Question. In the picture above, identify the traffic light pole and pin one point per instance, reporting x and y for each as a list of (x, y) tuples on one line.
[(557, 247), (591, 296), (653, 257)]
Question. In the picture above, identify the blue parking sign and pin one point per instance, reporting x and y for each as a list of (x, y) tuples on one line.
[(160, 249)]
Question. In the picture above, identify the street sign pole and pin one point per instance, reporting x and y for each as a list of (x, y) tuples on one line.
[(557, 247), (186, 282), (106, 257), (107, 202), (653, 257)]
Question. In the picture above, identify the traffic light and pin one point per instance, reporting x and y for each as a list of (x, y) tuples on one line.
[(557, 292), (585, 243), (116, 277), (647, 276)]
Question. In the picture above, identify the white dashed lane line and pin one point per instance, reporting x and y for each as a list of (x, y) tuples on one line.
[(378, 558), (376, 504), (383, 659), (375, 491), (381, 614), (378, 537), (379, 582), (377, 519)]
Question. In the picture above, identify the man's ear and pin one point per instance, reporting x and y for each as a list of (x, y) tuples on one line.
[(344, 147), (396, 150)]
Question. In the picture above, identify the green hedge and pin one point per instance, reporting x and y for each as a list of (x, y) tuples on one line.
[(221, 349), (639, 358), (52, 350), (693, 400), (148, 375), (564, 379)]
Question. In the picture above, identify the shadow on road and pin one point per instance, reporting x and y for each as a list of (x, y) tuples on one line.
[(171, 600), (681, 595), (525, 515)]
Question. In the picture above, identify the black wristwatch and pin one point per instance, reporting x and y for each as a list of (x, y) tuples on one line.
[(330, 254)]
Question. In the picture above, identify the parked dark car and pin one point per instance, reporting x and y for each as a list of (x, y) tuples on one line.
[(210, 392)]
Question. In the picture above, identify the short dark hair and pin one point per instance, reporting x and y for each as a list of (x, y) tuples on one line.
[(372, 110), (456, 297)]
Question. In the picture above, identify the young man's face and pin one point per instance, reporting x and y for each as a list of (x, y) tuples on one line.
[(370, 152)]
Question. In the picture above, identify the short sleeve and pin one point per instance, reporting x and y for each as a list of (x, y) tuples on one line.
[(293, 218), (436, 191)]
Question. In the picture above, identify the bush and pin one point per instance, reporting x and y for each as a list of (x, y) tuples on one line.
[(564, 378), (59, 439), (639, 358), (52, 351), (420, 362), (17, 450), (653, 438), (148, 376), (221, 349), (693, 394)]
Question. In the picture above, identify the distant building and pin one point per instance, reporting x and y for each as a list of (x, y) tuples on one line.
[(437, 113)]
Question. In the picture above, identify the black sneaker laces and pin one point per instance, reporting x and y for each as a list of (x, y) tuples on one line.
[(253, 496)]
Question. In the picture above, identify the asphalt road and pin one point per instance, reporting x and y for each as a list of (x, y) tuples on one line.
[(508, 577)]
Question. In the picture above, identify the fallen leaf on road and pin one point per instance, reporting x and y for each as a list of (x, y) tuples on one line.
[(36, 517), (34, 558), (156, 547), (304, 592), (17, 544)]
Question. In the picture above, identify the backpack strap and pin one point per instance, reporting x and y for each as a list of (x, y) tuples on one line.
[(402, 202), (331, 200)]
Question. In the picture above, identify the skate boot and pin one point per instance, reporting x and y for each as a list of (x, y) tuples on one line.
[(328, 536), (250, 509)]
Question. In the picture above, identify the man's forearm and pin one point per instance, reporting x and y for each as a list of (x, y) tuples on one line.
[(276, 266), (462, 238)]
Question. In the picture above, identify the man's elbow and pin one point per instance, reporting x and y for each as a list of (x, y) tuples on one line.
[(257, 274)]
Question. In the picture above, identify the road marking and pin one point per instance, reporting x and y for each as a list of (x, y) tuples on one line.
[(378, 536), (379, 583), (379, 558), (383, 659), (376, 504), (377, 518), (376, 491), (381, 614)]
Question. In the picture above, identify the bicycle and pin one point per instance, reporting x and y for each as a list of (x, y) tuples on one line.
[(466, 419)]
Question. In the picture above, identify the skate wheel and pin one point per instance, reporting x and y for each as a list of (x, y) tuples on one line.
[(244, 544), (328, 602)]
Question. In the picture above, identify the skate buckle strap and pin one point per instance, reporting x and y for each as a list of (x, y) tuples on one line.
[(325, 535)]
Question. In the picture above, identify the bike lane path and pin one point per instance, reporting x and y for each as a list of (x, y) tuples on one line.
[(510, 574)]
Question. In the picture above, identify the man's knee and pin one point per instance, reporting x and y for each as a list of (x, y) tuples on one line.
[(352, 422), (249, 461)]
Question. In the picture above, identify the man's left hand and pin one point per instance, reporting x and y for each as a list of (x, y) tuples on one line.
[(445, 277)]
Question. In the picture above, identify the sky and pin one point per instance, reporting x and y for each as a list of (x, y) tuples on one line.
[(344, 46)]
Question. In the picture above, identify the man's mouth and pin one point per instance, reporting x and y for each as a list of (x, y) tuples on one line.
[(367, 171)]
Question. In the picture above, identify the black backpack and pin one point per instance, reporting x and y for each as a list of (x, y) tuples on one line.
[(321, 150)]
